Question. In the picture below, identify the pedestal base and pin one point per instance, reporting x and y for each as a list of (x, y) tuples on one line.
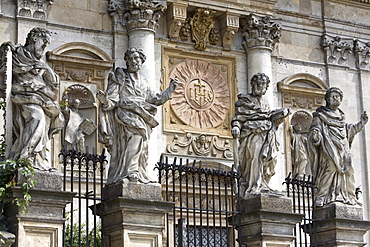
[(42, 223), (267, 220), (340, 225), (133, 215)]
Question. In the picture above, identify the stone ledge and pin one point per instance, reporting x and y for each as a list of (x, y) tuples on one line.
[(136, 191)]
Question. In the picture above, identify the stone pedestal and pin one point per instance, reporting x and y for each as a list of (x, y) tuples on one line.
[(42, 223), (267, 220), (340, 225), (6, 239), (134, 215)]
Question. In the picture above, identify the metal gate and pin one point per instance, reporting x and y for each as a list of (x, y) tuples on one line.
[(302, 190), (206, 202), (84, 174)]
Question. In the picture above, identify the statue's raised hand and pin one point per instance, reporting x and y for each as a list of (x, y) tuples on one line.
[(102, 97), (173, 84), (364, 118), (235, 131)]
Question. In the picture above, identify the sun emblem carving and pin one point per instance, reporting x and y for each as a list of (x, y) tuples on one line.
[(202, 98)]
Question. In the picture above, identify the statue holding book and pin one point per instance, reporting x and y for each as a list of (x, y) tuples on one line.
[(254, 128)]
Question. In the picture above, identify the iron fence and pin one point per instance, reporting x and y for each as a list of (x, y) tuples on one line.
[(206, 200), (302, 190), (83, 173)]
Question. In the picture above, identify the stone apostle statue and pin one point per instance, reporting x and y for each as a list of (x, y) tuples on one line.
[(127, 115), (299, 151), (255, 126), (36, 112), (330, 140)]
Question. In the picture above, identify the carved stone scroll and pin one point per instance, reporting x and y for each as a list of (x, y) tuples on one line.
[(260, 31), (33, 8), (229, 25), (176, 16)]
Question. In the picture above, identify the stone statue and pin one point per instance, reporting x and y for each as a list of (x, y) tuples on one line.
[(330, 140), (255, 126), (76, 126), (299, 151), (126, 116), (36, 112)]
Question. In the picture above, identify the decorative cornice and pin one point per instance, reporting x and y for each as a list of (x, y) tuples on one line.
[(336, 48), (259, 31), (33, 8), (137, 14)]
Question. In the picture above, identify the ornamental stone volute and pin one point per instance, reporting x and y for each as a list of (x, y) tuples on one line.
[(137, 14), (259, 31)]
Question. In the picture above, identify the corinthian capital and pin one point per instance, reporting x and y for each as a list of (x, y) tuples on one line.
[(137, 14), (259, 31), (32, 8)]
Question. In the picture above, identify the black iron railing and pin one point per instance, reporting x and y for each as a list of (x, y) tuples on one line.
[(206, 200), (302, 190), (84, 174)]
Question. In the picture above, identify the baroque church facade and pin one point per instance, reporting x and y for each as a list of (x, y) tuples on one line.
[(213, 48)]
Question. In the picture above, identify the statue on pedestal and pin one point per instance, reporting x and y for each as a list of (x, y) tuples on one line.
[(330, 140), (126, 114), (36, 112), (255, 125)]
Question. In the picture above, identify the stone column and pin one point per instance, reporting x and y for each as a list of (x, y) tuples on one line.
[(340, 225), (267, 220), (260, 35), (42, 223), (134, 215)]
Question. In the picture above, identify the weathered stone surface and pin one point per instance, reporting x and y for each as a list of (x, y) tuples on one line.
[(267, 220), (138, 191), (340, 225), (45, 180)]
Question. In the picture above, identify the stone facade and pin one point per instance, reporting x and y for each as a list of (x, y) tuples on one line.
[(304, 46)]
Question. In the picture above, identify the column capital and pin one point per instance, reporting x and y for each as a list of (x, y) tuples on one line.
[(259, 31), (362, 53), (336, 48), (34, 9), (134, 14)]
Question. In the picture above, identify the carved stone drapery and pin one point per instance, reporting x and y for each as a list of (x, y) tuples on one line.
[(336, 48), (137, 14), (33, 8), (259, 31), (201, 145)]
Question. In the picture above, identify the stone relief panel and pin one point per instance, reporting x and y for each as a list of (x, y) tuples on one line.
[(200, 145), (303, 93), (34, 8), (197, 119)]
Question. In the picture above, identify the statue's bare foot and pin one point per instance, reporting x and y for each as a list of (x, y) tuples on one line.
[(133, 177)]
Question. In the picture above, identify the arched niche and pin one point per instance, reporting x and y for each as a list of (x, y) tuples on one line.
[(303, 93), (83, 69)]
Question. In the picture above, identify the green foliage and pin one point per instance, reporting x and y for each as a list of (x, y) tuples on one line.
[(87, 239), (8, 179)]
